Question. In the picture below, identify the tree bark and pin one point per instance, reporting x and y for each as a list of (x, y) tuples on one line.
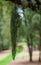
[(30, 50)]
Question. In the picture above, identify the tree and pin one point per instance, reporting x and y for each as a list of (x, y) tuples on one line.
[(1, 26), (29, 30), (15, 23), (35, 5), (35, 24), (40, 40), (7, 8)]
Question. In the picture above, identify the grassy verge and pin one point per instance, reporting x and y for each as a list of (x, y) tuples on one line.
[(8, 59)]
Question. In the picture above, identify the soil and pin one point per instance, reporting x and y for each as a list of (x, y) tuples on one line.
[(25, 61)]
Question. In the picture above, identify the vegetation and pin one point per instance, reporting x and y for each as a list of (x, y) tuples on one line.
[(26, 27), (6, 60)]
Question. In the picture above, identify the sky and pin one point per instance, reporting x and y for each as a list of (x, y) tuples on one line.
[(20, 11)]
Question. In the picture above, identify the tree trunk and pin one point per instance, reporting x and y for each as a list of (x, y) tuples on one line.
[(30, 50), (40, 48), (40, 40), (29, 44), (13, 39)]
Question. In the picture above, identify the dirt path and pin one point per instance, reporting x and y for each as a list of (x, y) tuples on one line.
[(25, 55), (23, 58), (24, 62)]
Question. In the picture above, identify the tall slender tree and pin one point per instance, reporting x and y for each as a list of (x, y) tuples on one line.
[(40, 37), (15, 23)]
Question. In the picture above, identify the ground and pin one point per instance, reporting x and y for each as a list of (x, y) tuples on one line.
[(24, 62), (3, 54), (22, 58)]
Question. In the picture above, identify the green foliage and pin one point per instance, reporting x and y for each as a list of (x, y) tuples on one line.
[(5, 14), (10, 21), (19, 49), (6, 60)]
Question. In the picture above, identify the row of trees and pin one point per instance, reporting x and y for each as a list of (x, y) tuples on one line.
[(29, 36), (5, 15), (31, 22)]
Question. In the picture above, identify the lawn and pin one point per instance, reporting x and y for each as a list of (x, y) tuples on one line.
[(8, 59)]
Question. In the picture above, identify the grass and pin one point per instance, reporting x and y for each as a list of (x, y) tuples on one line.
[(19, 50), (8, 59)]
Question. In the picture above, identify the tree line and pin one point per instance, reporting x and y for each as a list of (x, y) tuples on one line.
[(32, 22)]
